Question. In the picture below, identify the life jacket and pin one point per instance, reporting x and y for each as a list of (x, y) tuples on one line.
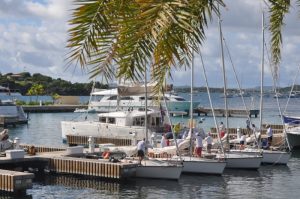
[(106, 155)]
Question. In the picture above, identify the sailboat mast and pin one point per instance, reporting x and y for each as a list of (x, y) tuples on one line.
[(224, 76), (262, 72), (146, 104), (192, 86), (191, 105)]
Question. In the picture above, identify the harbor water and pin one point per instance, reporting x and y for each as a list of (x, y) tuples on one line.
[(267, 182)]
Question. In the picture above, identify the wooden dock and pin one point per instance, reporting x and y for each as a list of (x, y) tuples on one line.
[(13, 181), (91, 167), (60, 161), (52, 108), (231, 112)]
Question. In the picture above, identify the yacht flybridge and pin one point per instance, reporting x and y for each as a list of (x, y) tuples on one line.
[(107, 101)]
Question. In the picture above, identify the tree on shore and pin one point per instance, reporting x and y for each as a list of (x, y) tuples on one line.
[(36, 89), (163, 33)]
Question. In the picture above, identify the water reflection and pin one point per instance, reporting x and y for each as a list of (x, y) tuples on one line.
[(7, 195)]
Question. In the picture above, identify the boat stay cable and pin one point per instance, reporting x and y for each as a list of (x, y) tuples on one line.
[(277, 100), (211, 104), (292, 88)]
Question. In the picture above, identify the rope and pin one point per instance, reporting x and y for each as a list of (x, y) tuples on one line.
[(210, 102), (278, 104), (292, 88), (239, 86)]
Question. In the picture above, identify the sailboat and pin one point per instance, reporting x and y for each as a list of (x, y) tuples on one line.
[(235, 160), (269, 156), (190, 164), (292, 121), (199, 164), (153, 168)]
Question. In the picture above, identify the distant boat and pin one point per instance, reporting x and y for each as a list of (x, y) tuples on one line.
[(295, 94), (8, 109), (292, 130), (279, 95), (84, 110), (5, 91)]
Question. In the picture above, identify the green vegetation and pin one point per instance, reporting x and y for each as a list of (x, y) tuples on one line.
[(38, 84)]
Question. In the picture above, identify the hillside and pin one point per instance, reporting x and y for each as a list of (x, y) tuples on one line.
[(24, 81)]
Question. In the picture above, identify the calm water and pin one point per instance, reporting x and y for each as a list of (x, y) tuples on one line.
[(268, 182)]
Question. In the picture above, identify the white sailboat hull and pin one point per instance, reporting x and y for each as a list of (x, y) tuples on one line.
[(203, 166), (269, 157), (243, 161), (276, 157), (158, 170), (293, 136)]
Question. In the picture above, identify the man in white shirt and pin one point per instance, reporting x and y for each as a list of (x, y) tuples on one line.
[(163, 141), (199, 145), (208, 140), (141, 149), (269, 135), (243, 141)]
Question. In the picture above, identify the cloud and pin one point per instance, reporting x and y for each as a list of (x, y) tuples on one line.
[(33, 35)]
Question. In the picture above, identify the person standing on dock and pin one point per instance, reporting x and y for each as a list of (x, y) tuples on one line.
[(269, 135)]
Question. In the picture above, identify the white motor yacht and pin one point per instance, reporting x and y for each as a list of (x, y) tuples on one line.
[(107, 101), (119, 125)]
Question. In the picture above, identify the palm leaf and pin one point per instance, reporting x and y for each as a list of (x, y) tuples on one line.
[(278, 9), (134, 33)]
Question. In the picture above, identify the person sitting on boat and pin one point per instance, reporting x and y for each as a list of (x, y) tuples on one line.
[(208, 140), (163, 141), (176, 129), (269, 135), (199, 145), (243, 141)]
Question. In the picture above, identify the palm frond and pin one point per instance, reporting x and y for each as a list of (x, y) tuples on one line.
[(134, 33), (278, 9), (93, 32)]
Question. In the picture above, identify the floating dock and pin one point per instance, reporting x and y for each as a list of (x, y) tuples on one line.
[(52, 108), (68, 160), (13, 181), (231, 112)]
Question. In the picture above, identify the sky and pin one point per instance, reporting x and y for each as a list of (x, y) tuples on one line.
[(34, 35)]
